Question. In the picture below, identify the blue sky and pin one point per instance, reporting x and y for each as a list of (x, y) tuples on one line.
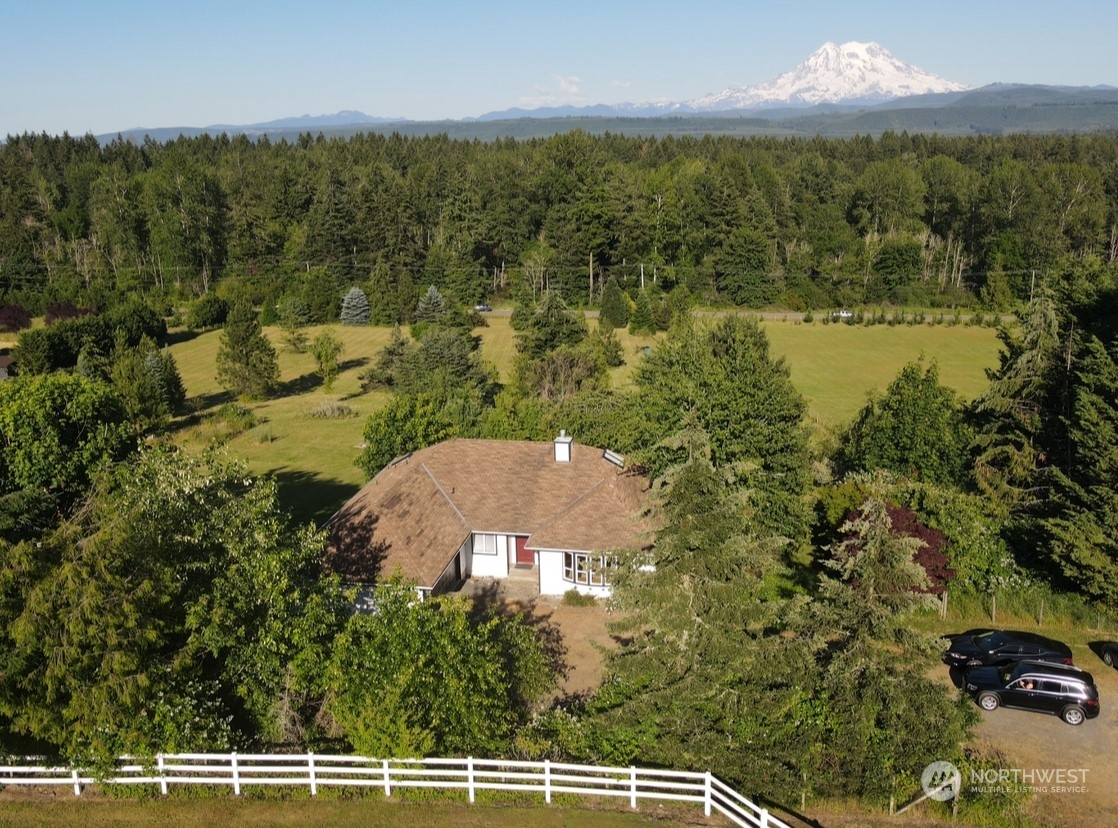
[(106, 65)]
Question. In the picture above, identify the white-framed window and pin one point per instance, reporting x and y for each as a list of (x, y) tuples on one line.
[(591, 570), (485, 544)]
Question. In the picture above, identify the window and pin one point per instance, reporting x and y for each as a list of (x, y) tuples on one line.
[(485, 544), (591, 570)]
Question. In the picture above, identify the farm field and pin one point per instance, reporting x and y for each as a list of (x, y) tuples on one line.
[(833, 366)]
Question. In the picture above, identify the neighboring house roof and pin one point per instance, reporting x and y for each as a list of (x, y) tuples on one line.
[(417, 512)]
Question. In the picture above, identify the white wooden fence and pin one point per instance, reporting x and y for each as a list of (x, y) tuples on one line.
[(321, 770)]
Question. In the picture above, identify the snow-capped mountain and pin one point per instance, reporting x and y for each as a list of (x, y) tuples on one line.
[(851, 73)]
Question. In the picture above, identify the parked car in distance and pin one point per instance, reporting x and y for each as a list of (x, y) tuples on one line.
[(1109, 653), (482, 308), (981, 647), (1059, 689)]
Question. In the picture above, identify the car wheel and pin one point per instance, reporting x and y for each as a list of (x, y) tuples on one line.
[(1072, 714), (988, 701), (1108, 657)]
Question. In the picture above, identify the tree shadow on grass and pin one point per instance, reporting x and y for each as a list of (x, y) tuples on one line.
[(309, 497), (302, 384), (196, 410), (180, 336)]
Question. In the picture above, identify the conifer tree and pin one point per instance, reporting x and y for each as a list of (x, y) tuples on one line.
[(703, 669), (614, 312), (643, 322), (431, 307), (246, 360), (550, 326), (355, 308)]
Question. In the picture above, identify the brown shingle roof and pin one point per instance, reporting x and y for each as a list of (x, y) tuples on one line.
[(415, 514)]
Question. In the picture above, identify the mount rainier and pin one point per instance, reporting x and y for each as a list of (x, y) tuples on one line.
[(853, 73)]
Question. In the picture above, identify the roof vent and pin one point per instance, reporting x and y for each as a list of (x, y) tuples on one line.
[(615, 458), (563, 447)]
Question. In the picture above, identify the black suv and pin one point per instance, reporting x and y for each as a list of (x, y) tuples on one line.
[(980, 647), (1067, 692)]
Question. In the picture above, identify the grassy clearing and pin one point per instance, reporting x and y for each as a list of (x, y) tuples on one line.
[(311, 457), (834, 367)]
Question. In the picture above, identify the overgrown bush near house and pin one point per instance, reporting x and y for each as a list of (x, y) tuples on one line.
[(574, 598)]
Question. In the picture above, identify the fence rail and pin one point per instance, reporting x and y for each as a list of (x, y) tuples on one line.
[(315, 771)]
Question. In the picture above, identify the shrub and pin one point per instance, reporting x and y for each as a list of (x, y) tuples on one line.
[(239, 418), (14, 318), (208, 312), (574, 598), (58, 311), (332, 410)]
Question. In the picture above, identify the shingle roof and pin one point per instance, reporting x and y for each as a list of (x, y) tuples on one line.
[(415, 514)]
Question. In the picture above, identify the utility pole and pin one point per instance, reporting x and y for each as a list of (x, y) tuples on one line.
[(591, 277), (642, 275)]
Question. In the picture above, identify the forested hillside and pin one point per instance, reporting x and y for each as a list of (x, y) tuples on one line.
[(798, 223)]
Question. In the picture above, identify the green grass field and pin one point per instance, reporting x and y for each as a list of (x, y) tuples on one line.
[(92, 811), (833, 366), (836, 366)]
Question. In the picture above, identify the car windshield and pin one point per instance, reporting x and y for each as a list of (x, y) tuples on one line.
[(991, 639)]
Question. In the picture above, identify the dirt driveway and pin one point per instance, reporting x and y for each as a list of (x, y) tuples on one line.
[(1036, 742)]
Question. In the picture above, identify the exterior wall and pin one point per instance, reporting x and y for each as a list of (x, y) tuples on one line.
[(456, 571), (552, 581), (491, 566)]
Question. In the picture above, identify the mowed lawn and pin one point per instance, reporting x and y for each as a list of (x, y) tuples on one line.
[(93, 811), (833, 366)]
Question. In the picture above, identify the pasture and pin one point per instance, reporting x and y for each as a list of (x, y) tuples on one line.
[(833, 366)]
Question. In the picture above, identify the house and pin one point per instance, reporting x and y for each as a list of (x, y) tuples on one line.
[(490, 508)]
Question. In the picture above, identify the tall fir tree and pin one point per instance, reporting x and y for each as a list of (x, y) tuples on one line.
[(703, 668), (642, 322), (246, 361), (614, 312)]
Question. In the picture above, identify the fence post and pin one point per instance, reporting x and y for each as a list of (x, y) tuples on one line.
[(77, 784), (236, 775), (707, 793), (387, 780), (310, 773), (162, 774), (763, 818), (547, 781), (470, 777), (632, 786)]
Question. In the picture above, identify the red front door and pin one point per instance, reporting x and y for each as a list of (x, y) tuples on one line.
[(524, 557)]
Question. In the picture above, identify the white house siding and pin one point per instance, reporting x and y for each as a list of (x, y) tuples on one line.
[(489, 566), (552, 581)]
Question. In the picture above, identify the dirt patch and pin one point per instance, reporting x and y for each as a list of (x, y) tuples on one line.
[(575, 636)]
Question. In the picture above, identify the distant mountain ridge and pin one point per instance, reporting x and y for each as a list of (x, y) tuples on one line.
[(838, 90), (853, 73)]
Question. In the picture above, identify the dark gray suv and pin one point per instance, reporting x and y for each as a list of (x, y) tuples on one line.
[(1061, 690)]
